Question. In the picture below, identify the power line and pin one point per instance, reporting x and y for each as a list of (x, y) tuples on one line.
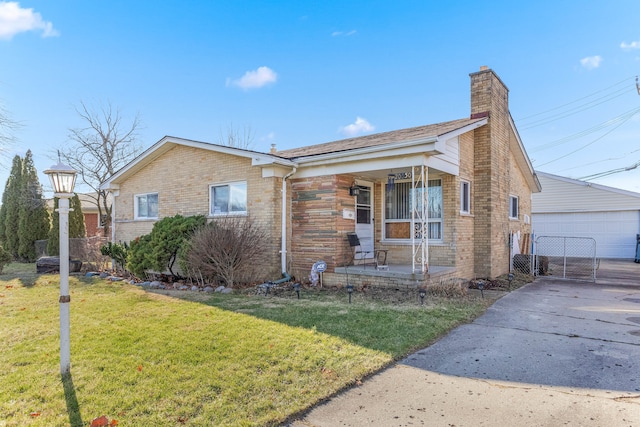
[(594, 141), (579, 99), (623, 156), (610, 172), (577, 109), (622, 117)]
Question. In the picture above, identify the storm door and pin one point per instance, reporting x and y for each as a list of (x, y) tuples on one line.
[(364, 217)]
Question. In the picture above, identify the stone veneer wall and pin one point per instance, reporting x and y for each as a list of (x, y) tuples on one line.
[(182, 176), (318, 227)]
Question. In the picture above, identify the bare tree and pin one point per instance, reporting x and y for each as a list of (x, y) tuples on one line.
[(237, 138), (7, 126), (98, 150)]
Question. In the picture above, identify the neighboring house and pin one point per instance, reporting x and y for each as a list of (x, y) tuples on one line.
[(441, 199), (571, 208), (92, 222)]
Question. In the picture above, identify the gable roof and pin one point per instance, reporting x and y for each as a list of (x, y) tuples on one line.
[(419, 133), (169, 142), (562, 194)]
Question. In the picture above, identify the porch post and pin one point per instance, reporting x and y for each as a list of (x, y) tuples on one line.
[(419, 219)]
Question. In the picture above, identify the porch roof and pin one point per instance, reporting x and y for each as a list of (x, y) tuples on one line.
[(433, 131)]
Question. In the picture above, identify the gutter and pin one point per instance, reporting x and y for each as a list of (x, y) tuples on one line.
[(283, 248)]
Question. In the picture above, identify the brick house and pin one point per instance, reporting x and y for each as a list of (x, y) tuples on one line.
[(92, 223), (439, 200)]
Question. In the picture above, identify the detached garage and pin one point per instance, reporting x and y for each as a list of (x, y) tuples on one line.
[(572, 208)]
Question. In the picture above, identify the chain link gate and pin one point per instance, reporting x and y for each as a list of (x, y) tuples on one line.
[(566, 257)]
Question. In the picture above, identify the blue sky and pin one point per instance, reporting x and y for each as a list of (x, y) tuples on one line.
[(300, 73)]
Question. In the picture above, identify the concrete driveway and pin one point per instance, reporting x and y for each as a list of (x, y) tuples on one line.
[(554, 352)]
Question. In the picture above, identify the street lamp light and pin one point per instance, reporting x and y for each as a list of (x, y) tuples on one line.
[(63, 178), (481, 287)]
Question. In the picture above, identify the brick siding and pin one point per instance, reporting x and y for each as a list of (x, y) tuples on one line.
[(182, 177)]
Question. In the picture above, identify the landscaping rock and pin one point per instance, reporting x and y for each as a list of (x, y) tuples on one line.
[(51, 264), (219, 289), (104, 275), (195, 288), (176, 285), (91, 273), (184, 288), (208, 289), (226, 291), (156, 285)]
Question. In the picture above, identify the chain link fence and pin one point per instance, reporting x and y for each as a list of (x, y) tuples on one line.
[(565, 257)]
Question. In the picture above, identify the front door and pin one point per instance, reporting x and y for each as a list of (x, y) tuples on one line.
[(364, 217)]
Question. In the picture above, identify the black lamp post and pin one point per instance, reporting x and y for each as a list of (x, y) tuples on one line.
[(481, 287), (510, 277), (296, 286), (422, 293), (349, 291)]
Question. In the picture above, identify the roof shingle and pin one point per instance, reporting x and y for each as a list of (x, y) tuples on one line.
[(409, 134)]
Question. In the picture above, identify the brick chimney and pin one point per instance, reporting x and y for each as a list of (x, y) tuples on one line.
[(490, 98)]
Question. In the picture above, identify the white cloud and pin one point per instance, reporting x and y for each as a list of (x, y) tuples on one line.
[(14, 20), (591, 62), (255, 79), (360, 126), (629, 46), (343, 33)]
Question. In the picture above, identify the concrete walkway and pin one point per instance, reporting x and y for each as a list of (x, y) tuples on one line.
[(552, 353)]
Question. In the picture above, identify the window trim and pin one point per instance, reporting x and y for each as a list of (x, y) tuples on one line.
[(428, 222), (465, 190), (514, 202), (230, 185), (136, 202)]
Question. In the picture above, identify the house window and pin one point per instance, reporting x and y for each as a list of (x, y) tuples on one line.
[(228, 199), (398, 206), (465, 197), (146, 206), (513, 207)]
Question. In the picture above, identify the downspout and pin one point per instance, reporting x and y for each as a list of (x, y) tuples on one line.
[(114, 194), (283, 248)]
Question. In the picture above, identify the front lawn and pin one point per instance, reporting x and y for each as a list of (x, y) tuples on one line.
[(184, 358)]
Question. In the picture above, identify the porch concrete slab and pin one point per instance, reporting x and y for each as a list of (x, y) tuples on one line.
[(552, 353)]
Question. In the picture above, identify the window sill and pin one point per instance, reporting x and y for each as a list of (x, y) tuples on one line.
[(467, 214), (225, 215)]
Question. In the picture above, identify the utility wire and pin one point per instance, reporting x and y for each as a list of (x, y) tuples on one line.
[(622, 117), (522, 119), (610, 159), (592, 142), (577, 109), (610, 172)]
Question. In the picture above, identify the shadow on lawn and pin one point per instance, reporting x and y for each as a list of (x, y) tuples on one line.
[(394, 324), (73, 409)]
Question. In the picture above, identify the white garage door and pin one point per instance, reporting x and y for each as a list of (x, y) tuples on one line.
[(614, 232)]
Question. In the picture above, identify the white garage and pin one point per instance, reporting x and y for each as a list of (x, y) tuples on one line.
[(571, 208)]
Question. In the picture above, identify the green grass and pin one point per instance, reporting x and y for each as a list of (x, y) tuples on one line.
[(182, 358)]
